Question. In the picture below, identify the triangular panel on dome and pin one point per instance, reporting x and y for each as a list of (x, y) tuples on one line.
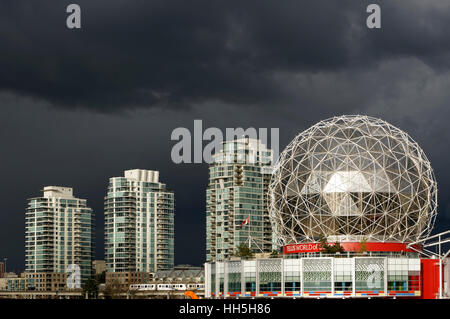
[(342, 204), (351, 181), (379, 181), (312, 184)]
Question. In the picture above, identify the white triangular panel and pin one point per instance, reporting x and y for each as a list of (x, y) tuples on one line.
[(343, 182)]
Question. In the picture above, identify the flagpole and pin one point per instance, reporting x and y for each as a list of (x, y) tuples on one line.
[(249, 237)]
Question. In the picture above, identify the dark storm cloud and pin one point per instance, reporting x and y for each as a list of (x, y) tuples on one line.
[(175, 54), (139, 69)]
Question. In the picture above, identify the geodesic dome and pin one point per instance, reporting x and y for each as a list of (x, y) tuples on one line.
[(352, 178)]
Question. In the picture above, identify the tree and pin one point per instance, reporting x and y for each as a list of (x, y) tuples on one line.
[(244, 251), (328, 248), (90, 288), (363, 246), (274, 254), (337, 248), (101, 278), (113, 290)]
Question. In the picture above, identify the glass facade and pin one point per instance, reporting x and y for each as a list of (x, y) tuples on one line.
[(269, 275), (59, 231), (369, 274), (237, 190), (139, 223), (250, 276), (314, 277), (234, 277), (317, 275), (292, 275), (343, 275)]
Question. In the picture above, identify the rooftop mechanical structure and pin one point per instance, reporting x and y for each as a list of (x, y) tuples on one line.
[(352, 179)]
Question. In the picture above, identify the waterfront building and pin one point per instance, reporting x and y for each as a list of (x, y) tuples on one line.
[(236, 199), (353, 201), (139, 223), (59, 232)]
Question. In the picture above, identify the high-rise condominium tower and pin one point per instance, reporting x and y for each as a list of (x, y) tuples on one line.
[(236, 199), (59, 231), (139, 223)]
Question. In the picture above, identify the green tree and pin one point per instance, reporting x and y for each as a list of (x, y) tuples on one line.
[(100, 278), (90, 288), (112, 290), (274, 254), (244, 251), (363, 246), (328, 248)]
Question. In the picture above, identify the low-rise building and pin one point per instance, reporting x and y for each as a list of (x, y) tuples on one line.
[(99, 266), (121, 281), (181, 274), (3, 284), (13, 282), (46, 281)]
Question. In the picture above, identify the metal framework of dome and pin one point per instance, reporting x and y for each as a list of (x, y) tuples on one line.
[(352, 178)]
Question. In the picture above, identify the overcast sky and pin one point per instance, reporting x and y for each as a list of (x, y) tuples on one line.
[(80, 106)]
